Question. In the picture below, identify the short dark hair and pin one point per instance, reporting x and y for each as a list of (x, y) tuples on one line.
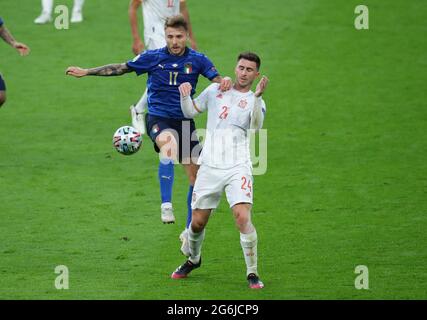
[(176, 22), (247, 55)]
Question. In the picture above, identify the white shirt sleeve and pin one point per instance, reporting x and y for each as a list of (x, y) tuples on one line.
[(192, 108), (188, 108), (257, 115)]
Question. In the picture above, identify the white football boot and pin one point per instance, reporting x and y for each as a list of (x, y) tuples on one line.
[(185, 246), (76, 17), (167, 213), (43, 18), (138, 121)]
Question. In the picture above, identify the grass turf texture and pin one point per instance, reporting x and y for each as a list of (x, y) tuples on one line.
[(346, 182)]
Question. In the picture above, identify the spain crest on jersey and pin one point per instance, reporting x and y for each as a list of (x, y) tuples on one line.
[(243, 103), (188, 68)]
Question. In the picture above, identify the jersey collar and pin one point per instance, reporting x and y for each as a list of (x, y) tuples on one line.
[(186, 52)]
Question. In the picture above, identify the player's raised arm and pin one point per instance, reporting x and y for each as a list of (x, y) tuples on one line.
[(184, 11), (188, 107), (257, 116), (137, 45), (8, 38), (105, 71), (191, 108)]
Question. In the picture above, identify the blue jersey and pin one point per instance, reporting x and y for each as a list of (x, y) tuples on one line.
[(165, 73), (1, 22)]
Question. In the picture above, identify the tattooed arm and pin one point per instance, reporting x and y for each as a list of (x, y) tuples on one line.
[(106, 71), (8, 38)]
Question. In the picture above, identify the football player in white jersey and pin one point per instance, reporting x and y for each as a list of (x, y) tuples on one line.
[(225, 160), (47, 8), (155, 13)]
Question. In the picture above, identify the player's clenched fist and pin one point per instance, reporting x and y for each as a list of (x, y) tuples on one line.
[(22, 48), (226, 84), (76, 72), (185, 89)]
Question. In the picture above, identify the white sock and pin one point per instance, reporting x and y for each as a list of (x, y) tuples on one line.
[(195, 241), (142, 104), (78, 5), (249, 246), (47, 6), (166, 205)]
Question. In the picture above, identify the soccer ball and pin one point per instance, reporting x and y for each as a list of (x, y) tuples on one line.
[(127, 140)]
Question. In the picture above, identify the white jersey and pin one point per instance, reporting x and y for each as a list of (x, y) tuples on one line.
[(226, 143), (155, 13)]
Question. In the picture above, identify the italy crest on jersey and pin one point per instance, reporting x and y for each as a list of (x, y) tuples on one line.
[(188, 68)]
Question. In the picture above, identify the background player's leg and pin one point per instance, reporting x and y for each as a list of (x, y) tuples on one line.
[(137, 113), (47, 6), (2, 97), (77, 15), (46, 15), (2, 91), (141, 105)]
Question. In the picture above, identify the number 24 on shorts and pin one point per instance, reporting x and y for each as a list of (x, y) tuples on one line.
[(247, 184)]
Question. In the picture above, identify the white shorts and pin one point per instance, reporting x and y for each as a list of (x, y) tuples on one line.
[(211, 182), (154, 36), (153, 43)]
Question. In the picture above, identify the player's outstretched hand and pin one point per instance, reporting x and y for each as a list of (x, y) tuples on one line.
[(137, 47), (226, 84), (185, 89), (22, 48), (76, 72), (260, 88)]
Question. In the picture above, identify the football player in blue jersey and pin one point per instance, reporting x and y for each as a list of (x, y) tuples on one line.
[(155, 13), (22, 49), (173, 135)]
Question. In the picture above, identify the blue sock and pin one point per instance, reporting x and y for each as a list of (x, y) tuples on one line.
[(189, 212), (166, 176)]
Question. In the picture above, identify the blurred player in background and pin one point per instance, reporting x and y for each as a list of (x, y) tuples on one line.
[(155, 13), (167, 68), (225, 160), (22, 49), (47, 9)]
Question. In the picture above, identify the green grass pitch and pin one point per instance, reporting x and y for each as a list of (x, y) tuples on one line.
[(346, 183)]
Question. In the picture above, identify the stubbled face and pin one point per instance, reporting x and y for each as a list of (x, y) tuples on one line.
[(176, 39), (246, 73)]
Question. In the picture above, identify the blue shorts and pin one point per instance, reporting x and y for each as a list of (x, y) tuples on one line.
[(184, 131), (2, 84)]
